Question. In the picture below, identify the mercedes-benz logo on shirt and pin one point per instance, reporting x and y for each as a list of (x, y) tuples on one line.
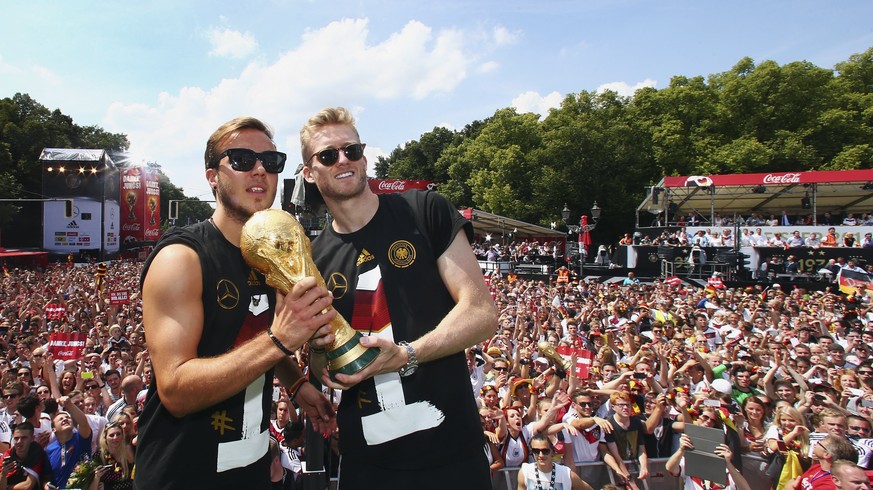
[(338, 285), (228, 294)]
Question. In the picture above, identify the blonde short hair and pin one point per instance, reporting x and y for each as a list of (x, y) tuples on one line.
[(324, 117)]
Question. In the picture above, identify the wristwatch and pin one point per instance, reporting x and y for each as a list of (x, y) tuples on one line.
[(412, 361)]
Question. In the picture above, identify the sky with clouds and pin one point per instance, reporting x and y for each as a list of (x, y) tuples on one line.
[(168, 72)]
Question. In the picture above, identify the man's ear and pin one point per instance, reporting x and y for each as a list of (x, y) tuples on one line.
[(211, 176), (307, 174)]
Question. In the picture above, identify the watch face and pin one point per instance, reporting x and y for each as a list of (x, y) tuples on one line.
[(407, 370)]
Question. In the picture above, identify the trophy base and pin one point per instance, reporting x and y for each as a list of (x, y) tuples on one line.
[(350, 357)]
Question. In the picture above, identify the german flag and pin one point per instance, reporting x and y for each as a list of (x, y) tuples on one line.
[(850, 280)]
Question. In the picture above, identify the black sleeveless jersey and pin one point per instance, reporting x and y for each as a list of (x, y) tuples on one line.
[(225, 445), (385, 282)]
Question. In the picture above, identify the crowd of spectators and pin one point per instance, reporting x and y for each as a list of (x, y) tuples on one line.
[(750, 237), (772, 219), (518, 252), (779, 371)]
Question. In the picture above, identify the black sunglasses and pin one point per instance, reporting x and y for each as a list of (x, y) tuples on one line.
[(243, 159), (536, 450), (330, 156)]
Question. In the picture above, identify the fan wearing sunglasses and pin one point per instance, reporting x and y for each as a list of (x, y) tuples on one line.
[(217, 333), (411, 253), (543, 472)]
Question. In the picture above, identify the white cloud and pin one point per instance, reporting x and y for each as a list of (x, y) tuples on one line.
[(624, 89), (536, 103), (488, 67), (503, 36), (415, 62), (7, 68), (46, 75), (228, 43)]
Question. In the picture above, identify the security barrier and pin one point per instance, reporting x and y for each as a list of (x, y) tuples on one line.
[(598, 474)]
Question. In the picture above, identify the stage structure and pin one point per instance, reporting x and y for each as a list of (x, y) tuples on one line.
[(91, 179), (799, 193)]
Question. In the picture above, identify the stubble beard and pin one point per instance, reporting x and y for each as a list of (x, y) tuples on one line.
[(329, 193), (232, 209)]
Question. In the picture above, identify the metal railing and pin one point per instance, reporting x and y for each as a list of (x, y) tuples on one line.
[(597, 474)]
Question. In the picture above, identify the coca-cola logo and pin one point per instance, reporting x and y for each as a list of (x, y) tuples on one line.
[(790, 178), (131, 227), (392, 185), (153, 232)]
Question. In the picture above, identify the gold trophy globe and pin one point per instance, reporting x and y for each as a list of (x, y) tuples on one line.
[(274, 243), (549, 352)]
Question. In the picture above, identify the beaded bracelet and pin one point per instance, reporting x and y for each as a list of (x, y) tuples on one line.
[(296, 388), (279, 344)]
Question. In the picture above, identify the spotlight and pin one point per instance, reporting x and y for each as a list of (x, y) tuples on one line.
[(805, 202), (868, 186), (759, 189)]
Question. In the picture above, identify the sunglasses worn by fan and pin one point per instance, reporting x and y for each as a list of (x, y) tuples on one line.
[(243, 159), (330, 156)]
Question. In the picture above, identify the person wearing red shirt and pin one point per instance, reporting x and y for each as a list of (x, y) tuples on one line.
[(826, 451)]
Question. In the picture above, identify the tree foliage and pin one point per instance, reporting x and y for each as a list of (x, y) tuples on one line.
[(754, 117)]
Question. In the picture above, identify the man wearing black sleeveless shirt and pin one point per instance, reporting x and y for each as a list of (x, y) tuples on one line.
[(216, 333), (402, 271)]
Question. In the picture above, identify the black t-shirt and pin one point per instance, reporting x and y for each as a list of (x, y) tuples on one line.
[(660, 443), (385, 282), (225, 445), (627, 440)]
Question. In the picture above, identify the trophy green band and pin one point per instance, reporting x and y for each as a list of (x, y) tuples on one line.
[(274, 243)]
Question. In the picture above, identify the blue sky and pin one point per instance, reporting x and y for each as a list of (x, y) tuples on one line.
[(167, 73)]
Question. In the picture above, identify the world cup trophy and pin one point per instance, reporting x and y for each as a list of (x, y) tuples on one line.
[(130, 197), (152, 203), (274, 243), (548, 351)]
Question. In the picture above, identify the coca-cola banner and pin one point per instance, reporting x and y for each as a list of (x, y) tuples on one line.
[(140, 205), (380, 186), (67, 346), (774, 178), (152, 223)]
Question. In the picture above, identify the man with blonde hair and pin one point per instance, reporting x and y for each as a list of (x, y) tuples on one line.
[(404, 274), (846, 475)]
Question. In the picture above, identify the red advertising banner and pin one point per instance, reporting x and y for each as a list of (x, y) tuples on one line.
[(119, 297), (774, 178), (152, 221), (583, 359), (380, 186), (66, 346), (140, 202), (133, 206)]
